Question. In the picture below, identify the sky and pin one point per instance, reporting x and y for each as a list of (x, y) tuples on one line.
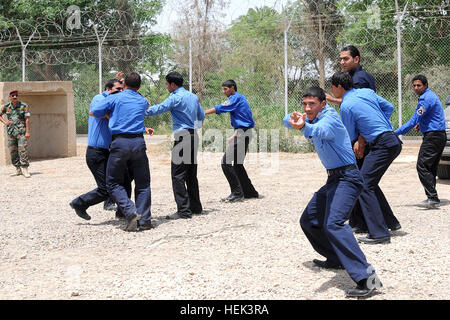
[(236, 9)]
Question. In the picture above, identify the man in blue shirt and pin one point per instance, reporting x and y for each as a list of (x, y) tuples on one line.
[(323, 220), (350, 59), (187, 116), (237, 145), (366, 117), (430, 116), (97, 153), (128, 152), (350, 62)]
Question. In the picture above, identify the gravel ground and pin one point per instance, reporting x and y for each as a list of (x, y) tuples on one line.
[(249, 250)]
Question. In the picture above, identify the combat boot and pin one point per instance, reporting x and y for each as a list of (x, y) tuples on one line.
[(25, 172), (18, 172)]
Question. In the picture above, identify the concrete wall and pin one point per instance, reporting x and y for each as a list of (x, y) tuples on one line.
[(52, 121)]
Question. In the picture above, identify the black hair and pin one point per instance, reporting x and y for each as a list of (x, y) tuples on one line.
[(110, 84), (354, 52), (422, 78), (229, 84), (133, 80), (317, 92), (342, 78), (175, 77)]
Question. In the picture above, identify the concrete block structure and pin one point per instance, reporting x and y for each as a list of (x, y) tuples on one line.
[(52, 121)]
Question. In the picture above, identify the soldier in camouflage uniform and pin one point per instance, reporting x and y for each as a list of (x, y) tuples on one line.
[(18, 129)]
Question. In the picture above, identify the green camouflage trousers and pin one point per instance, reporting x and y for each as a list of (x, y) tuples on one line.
[(18, 149)]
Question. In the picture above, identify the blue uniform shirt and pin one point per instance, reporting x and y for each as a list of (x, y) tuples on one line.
[(239, 109), (362, 79), (126, 112), (330, 138), (365, 113), (186, 111), (99, 135), (429, 114)]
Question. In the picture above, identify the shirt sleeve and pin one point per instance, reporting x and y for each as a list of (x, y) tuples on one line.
[(95, 101), (228, 106), (103, 107), (321, 130), (425, 104), (157, 109), (286, 121), (26, 110), (385, 106), (2, 110), (410, 124), (198, 122)]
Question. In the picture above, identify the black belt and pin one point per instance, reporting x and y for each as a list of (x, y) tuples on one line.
[(98, 149), (341, 169), (381, 136), (128, 135), (434, 131)]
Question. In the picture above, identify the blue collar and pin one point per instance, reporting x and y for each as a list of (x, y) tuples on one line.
[(358, 68), (426, 90), (347, 92), (179, 89)]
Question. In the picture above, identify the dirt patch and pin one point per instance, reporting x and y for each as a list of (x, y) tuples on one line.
[(249, 250)]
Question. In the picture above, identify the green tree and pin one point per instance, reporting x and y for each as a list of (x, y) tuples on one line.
[(316, 28), (199, 23), (255, 55), (120, 22), (424, 28)]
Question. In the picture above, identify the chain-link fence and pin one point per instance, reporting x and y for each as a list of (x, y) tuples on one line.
[(272, 56)]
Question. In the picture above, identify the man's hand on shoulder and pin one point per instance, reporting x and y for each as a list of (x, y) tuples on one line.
[(332, 99)]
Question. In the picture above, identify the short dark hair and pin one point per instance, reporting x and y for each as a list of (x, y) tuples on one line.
[(229, 84), (422, 78), (342, 78), (133, 80), (317, 92), (175, 77), (354, 52), (110, 83)]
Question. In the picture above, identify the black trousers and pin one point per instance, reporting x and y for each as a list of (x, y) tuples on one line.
[(96, 160), (357, 218), (233, 165), (184, 173), (430, 152)]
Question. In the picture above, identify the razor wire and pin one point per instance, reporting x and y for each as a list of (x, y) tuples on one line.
[(75, 32)]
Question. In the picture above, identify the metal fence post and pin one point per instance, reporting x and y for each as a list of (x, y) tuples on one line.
[(399, 58), (285, 77), (190, 64), (24, 48), (100, 44)]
